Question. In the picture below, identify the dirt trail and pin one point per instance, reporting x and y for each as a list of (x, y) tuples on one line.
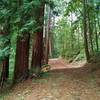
[(64, 82), (59, 63)]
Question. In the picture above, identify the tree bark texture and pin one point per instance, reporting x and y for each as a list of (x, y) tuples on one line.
[(22, 58), (37, 53)]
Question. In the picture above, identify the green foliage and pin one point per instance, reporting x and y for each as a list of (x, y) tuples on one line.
[(19, 17), (16, 18), (4, 47), (68, 42), (68, 33)]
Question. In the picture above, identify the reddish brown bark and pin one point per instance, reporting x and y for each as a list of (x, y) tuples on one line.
[(4, 64), (21, 61), (5, 70), (37, 54)]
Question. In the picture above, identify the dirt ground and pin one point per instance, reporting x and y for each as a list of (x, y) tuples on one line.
[(63, 82)]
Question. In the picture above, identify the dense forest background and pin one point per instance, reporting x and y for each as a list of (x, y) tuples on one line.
[(32, 31)]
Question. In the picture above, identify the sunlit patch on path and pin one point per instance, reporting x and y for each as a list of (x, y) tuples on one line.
[(59, 63)]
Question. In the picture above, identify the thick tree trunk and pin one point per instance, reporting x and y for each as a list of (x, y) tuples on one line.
[(5, 70), (22, 57), (37, 54)]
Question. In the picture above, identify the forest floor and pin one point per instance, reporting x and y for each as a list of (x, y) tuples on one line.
[(77, 81)]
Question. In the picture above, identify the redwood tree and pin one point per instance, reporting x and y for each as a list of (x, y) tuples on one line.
[(22, 55), (4, 59), (37, 53), (24, 26)]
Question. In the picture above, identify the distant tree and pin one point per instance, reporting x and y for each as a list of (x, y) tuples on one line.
[(85, 30)]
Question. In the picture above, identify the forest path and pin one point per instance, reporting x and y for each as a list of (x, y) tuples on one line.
[(58, 63), (71, 83)]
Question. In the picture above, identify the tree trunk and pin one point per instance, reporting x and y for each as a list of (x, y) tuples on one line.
[(47, 35), (22, 57), (85, 31), (37, 53), (4, 63), (96, 35), (5, 70), (90, 35), (50, 46)]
